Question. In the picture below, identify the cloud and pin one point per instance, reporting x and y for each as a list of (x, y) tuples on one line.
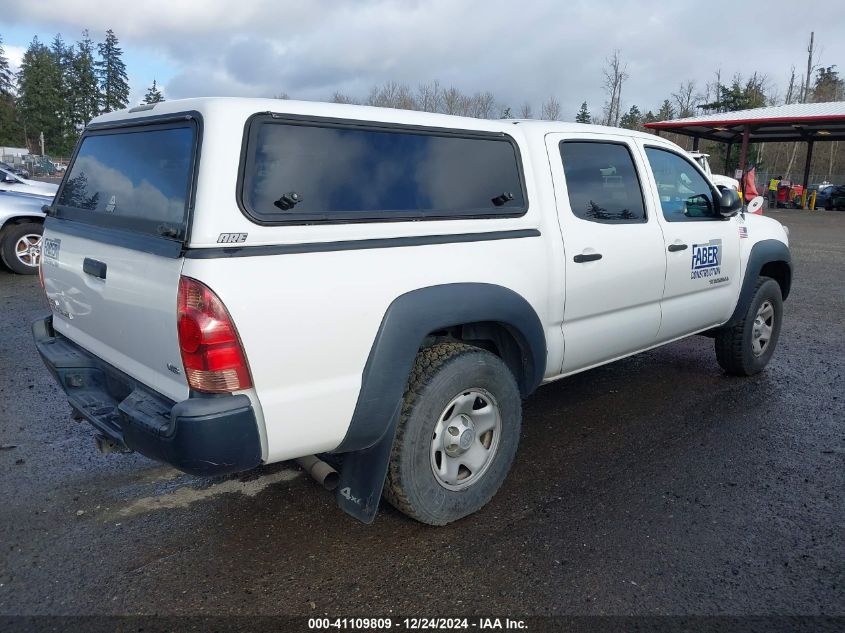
[(520, 52), (15, 55)]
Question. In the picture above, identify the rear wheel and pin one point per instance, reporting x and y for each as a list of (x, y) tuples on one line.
[(457, 434), (20, 247), (746, 348)]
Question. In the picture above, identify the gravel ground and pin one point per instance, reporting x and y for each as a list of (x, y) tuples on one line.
[(656, 485)]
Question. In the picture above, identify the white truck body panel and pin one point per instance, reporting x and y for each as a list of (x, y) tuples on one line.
[(307, 321)]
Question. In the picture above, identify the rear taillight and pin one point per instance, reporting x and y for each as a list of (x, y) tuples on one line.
[(212, 354)]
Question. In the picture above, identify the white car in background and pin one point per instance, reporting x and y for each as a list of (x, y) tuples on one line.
[(13, 182), (21, 225), (718, 180)]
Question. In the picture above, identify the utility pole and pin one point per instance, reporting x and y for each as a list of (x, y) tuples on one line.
[(41, 137), (809, 68)]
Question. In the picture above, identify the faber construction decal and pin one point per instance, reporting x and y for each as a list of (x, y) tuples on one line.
[(706, 259)]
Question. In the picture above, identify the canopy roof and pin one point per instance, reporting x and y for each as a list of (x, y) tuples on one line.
[(794, 122)]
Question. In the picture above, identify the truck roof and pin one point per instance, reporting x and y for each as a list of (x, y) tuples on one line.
[(240, 108)]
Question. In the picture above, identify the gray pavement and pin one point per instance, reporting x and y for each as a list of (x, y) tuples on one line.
[(655, 485)]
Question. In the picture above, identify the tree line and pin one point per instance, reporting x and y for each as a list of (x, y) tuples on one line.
[(59, 88)]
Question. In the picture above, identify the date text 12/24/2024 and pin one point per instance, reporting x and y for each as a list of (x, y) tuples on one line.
[(416, 624)]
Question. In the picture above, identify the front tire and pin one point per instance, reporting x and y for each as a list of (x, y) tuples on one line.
[(20, 248), (457, 434), (747, 347)]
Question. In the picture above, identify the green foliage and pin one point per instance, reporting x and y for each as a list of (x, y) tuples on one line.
[(11, 130), (84, 87), (739, 95), (153, 94), (666, 111), (583, 115), (6, 78), (40, 98), (111, 72), (632, 119), (63, 60), (828, 85)]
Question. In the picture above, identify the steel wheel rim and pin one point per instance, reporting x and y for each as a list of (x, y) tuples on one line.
[(764, 323), (28, 249), (465, 439)]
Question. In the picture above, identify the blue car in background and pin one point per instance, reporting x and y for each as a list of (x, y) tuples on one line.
[(21, 225), (831, 197)]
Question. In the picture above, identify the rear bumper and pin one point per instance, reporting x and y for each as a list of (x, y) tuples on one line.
[(203, 435)]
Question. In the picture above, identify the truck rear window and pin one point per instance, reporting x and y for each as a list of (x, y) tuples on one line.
[(300, 172), (137, 179)]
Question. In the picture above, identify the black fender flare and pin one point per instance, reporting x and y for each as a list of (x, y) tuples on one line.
[(406, 323), (762, 253), (408, 320)]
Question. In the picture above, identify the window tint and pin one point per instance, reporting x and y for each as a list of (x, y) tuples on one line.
[(684, 193), (135, 180), (602, 182), (308, 172)]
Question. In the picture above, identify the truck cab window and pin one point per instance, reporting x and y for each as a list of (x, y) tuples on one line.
[(684, 193)]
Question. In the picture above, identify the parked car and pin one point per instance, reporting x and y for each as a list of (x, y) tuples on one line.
[(12, 182), (21, 225), (378, 287), (703, 161), (18, 170), (831, 197)]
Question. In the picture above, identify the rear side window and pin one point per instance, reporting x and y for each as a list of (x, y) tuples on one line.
[(602, 182), (137, 179), (299, 172)]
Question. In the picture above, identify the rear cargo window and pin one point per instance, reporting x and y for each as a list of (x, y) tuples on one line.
[(296, 172), (137, 179)]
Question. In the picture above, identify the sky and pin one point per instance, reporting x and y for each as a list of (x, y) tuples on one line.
[(520, 51)]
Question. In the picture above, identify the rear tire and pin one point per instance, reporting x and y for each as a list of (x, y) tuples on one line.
[(746, 348), (457, 434), (20, 247)]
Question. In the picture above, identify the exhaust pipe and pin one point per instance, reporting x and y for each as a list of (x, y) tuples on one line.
[(320, 471), (106, 445)]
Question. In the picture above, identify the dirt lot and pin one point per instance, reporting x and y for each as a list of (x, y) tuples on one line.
[(656, 485)]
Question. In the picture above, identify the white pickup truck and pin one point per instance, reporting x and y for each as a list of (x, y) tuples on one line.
[(235, 282)]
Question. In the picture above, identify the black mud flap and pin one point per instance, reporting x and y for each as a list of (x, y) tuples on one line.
[(362, 476)]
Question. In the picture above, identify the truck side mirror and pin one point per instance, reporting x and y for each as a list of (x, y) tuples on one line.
[(729, 203)]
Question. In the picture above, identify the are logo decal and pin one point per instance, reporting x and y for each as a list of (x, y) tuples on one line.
[(231, 238), (706, 259)]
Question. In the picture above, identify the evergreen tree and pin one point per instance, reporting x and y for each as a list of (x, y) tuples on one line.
[(6, 79), (153, 94), (11, 131), (632, 119), (666, 111), (63, 61), (583, 115), (39, 97), (829, 86), (86, 91), (111, 71)]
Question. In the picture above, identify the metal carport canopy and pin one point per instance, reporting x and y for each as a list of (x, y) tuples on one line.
[(794, 122)]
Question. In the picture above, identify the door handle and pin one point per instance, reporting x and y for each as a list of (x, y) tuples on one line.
[(677, 247), (94, 268), (591, 257)]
